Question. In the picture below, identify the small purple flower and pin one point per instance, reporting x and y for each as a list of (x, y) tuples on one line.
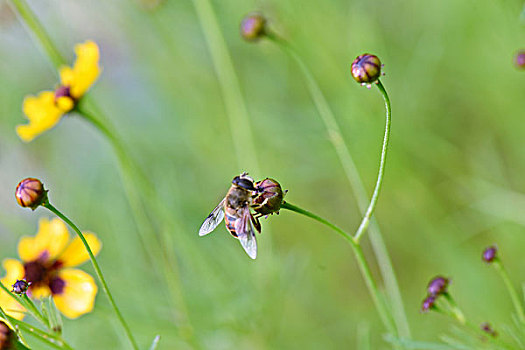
[(428, 303), (520, 59), (489, 254), (438, 285)]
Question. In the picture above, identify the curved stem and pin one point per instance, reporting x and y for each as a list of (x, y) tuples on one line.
[(38, 30), (98, 271), (381, 306), (358, 188), (510, 288), (371, 207)]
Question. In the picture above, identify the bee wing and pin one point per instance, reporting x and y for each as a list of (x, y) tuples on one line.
[(213, 220), (245, 233)]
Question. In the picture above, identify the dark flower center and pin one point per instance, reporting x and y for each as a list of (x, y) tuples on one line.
[(44, 273)]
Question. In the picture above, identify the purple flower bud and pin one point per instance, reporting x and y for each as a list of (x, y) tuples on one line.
[(253, 27), (485, 327), (438, 285), (20, 286), (520, 59), (489, 254), (30, 193), (428, 303), (366, 69)]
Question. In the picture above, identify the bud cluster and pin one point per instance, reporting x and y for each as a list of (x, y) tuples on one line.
[(436, 287)]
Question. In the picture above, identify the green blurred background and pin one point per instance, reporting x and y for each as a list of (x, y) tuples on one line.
[(454, 178)]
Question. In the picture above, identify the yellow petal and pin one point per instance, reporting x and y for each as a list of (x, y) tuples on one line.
[(11, 306), (39, 292), (15, 271), (84, 72), (42, 113), (48, 243), (75, 253), (78, 295), (65, 103)]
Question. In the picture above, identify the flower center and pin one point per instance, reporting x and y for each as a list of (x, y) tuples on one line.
[(35, 272), (62, 91), (44, 273)]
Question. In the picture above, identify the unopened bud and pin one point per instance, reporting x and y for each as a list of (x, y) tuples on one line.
[(30, 193), (489, 254), (20, 286), (253, 27), (428, 303), (366, 69), (438, 285)]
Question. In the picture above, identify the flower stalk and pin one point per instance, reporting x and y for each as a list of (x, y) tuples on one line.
[(518, 306), (378, 299), (354, 179), (38, 30), (98, 271)]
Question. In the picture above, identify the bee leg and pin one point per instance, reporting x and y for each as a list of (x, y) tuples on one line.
[(256, 223)]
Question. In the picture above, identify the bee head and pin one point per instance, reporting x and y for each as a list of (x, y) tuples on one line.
[(244, 181)]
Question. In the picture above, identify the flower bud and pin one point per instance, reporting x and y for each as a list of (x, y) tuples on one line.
[(438, 285), (520, 59), (486, 327), (30, 193), (20, 286), (366, 69), (269, 198), (489, 254), (428, 303), (6, 337), (253, 27)]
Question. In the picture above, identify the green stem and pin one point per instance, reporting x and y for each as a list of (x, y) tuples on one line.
[(98, 271), (348, 164), (50, 339), (236, 110), (381, 306), (34, 311), (26, 303), (371, 207), (132, 178), (38, 31), (13, 327), (510, 288)]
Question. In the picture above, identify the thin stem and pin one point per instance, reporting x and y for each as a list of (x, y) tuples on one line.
[(34, 311), (5, 318), (132, 178), (510, 288), (54, 341), (98, 271), (375, 196), (381, 306), (36, 28), (26, 303), (354, 179), (236, 110)]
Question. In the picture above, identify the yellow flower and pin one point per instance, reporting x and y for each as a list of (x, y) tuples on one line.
[(45, 110), (47, 261)]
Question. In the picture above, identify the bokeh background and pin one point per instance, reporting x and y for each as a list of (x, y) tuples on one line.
[(454, 178)]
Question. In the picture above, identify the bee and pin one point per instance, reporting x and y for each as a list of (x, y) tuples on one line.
[(235, 210)]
